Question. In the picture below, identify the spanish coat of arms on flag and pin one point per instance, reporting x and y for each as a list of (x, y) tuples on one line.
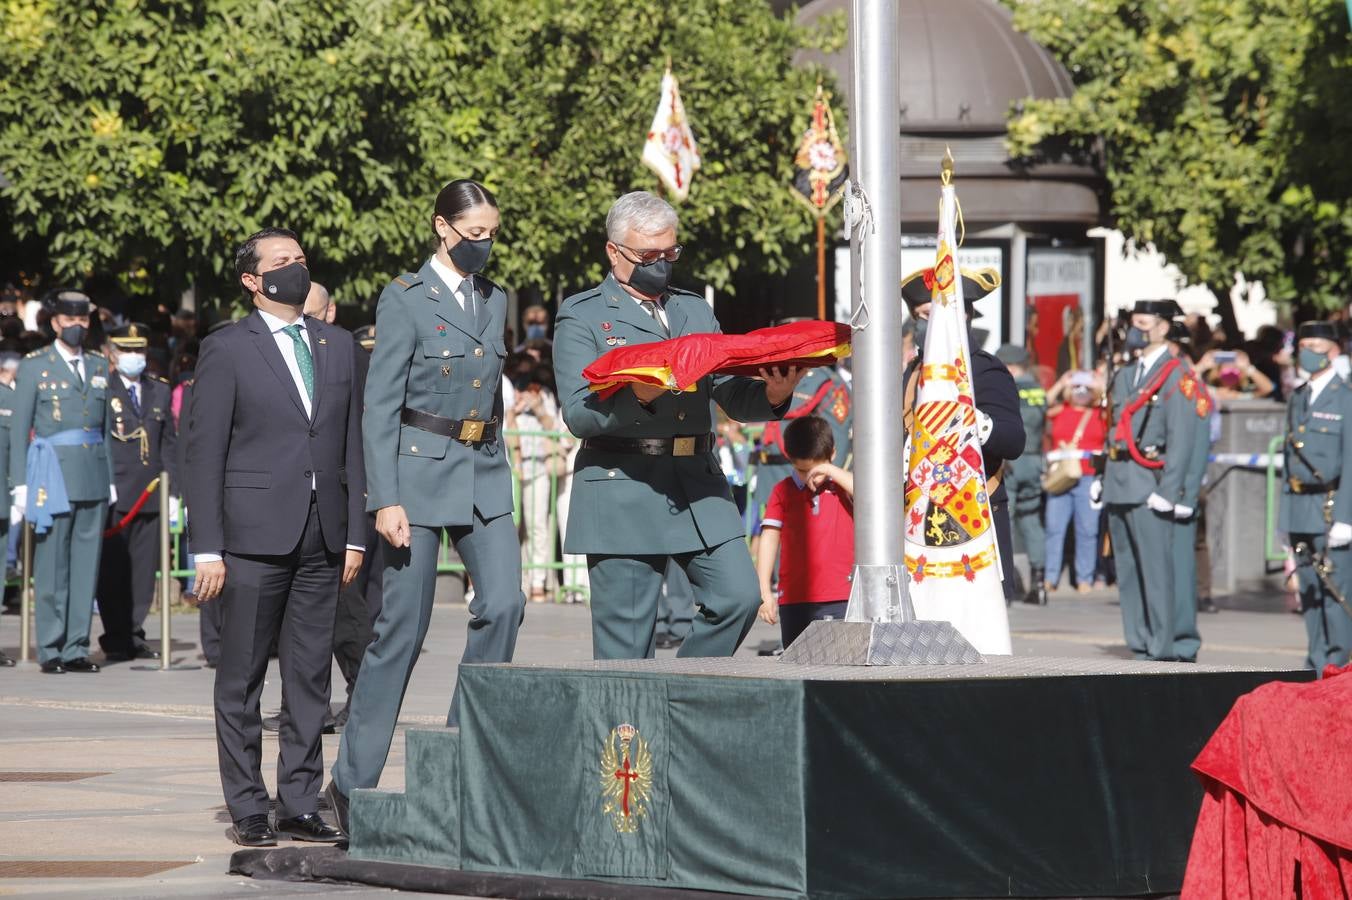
[(670, 149), (951, 553)]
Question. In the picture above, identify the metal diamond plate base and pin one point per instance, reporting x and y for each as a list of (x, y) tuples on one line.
[(836, 643)]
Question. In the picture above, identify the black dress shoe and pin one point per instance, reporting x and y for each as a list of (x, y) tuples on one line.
[(338, 803), (253, 831), (83, 664), (1206, 605), (117, 656), (53, 667), (143, 651), (5, 661), (309, 827)]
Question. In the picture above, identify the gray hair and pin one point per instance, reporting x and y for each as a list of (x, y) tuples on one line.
[(639, 211)]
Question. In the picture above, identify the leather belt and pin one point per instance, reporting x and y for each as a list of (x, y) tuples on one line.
[(773, 459), (468, 431), (1304, 487), (677, 446), (1121, 454)]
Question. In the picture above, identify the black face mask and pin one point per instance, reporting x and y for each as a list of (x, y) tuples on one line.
[(290, 284), (1137, 339), (651, 279), (470, 256), (73, 335)]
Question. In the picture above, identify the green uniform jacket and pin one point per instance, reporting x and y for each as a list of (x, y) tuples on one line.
[(1026, 471), (434, 357), (1323, 434), (47, 401), (1167, 424), (626, 504), (1201, 453), (7, 397)]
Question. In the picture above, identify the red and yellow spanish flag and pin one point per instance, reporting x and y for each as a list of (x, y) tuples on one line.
[(951, 552), (670, 149)]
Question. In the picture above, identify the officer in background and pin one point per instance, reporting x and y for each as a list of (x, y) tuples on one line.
[(821, 392), (7, 388), (143, 442), (1000, 425), (1315, 512), (1187, 531), (63, 480), (647, 487), (1150, 443), (1025, 473)]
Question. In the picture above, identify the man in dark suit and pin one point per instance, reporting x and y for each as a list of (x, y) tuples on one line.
[(144, 443), (999, 421), (275, 485)]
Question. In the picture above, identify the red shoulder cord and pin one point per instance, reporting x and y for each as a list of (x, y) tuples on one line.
[(1124, 430)]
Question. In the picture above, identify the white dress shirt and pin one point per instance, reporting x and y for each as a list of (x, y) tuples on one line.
[(1148, 361), (288, 348), (71, 359), (1321, 381), (133, 386), (661, 307), (453, 280)]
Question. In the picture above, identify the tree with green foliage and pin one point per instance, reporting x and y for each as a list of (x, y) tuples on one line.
[(1221, 125), (145, 138)]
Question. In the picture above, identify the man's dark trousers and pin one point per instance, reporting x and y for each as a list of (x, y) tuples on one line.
[(292, 598), (127, 583)]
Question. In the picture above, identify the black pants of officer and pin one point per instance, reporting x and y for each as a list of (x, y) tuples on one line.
[(126, 586)]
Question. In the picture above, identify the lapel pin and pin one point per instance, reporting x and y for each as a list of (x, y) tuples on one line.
[(606, 326), (435, 289), (622, 341), (323, 341), (610, 342)]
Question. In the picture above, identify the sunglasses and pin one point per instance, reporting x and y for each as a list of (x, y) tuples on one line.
[(670, 254)]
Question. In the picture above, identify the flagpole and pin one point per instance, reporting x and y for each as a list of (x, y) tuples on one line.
[(879, 494), (821, 265)]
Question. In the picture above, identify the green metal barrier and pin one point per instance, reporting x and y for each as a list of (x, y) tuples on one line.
[(571, 575)]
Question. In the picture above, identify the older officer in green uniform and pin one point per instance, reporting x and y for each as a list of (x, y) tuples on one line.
[(1149, 452), (63, 480), (1315, 511), (434, 461), (647, 486), (143, 443), (1025, 473), (7, 389)]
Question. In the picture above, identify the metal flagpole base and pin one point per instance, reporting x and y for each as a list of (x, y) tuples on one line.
[(835, 643), (880, 629)]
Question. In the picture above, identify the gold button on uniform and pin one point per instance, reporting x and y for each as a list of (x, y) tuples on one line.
[(414, 449), (681, 415), (478, 383), (473, 413), (478, 351), (445, 353), (610, 474)]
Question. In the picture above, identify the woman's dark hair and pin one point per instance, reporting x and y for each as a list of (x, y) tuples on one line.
[(459, 197)]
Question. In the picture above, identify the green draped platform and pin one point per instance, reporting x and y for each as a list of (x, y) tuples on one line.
[(1017, 777)]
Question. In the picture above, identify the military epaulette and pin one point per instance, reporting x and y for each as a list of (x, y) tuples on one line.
[(408, 281), (684, 293), (95, 353), (583, 297), (36, 353), (160, 378)]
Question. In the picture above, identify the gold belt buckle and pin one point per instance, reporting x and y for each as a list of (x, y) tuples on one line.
[(1295, 484), (471, 431), (683, 446)]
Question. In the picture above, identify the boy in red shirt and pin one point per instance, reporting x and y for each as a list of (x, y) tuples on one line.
[(809, 524)]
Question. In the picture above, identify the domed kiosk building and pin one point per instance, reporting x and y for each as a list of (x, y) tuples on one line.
[(963, 68)]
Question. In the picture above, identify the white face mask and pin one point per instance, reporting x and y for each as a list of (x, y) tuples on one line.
[(131, 364)]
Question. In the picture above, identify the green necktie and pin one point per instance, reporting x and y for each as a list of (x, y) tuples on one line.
[(304, 361)]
